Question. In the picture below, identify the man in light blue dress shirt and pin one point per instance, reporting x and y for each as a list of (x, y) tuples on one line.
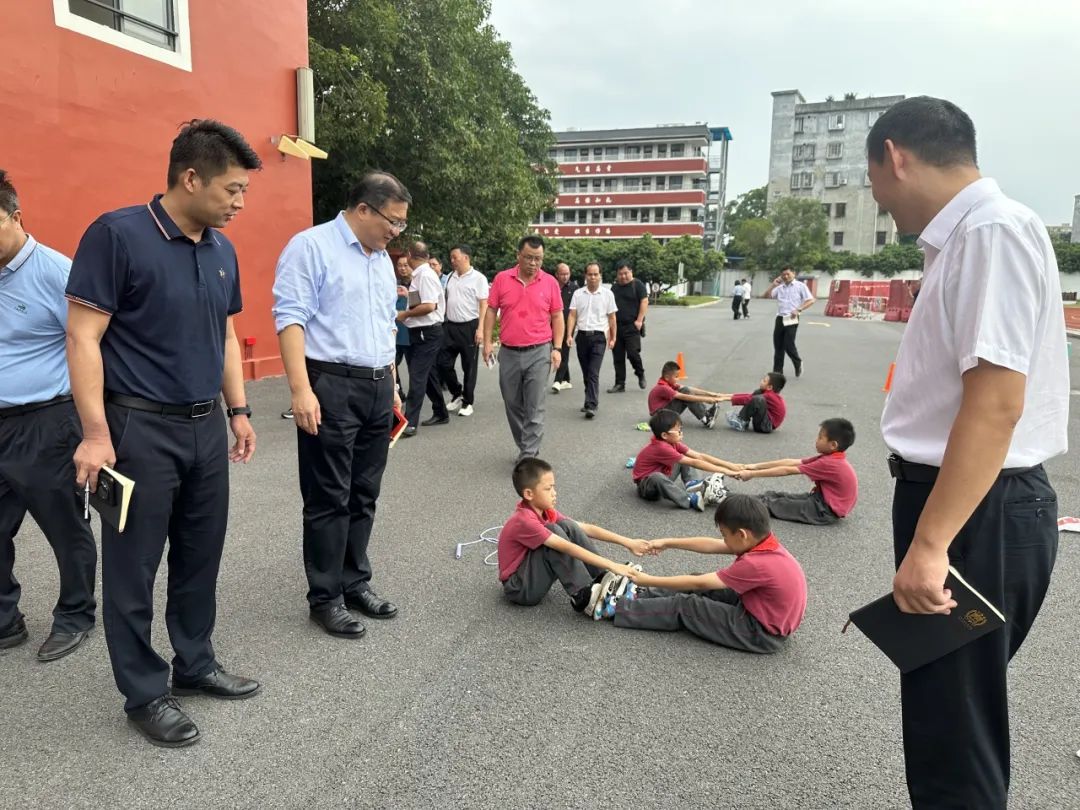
[(335, 297), (39, 430)]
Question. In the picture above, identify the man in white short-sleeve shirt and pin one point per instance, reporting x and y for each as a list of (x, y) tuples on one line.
[(592, 313), (424, 320), (979, 400), (466, 305)]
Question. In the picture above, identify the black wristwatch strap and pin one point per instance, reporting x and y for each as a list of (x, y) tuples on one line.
[(243, 410)]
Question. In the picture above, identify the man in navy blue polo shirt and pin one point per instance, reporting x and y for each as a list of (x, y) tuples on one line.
[(38, 433), (151, 347), (335, 311)]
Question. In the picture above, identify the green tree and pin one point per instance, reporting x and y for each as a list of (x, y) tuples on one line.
[(750, 205), (426, 89), (800, 233), (1068, 256), (751, 242)]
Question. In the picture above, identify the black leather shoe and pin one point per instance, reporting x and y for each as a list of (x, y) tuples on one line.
[(57, 645), (798, 370), (371, 605), (337, 621), (589, 413), (14, 634), (435, 420), (218, 684), (164, 723), (617, 389), (641, 383), (408, 432)]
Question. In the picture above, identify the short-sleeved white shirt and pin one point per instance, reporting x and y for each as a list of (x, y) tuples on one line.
[(464, 294), (990, 291), (593, 309), (789, 297), (427, 284)]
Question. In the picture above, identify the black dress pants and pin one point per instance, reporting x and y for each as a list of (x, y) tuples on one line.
[(955, 710), (37, 475), (341, 470), (180, 467), (562, 373), (460, 341), (627, 346), (590, 348), (783, 339), (425, 343), (736, 305)]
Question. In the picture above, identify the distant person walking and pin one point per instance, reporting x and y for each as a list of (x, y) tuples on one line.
[(632, 300), (792, 297), (567, 287), (747, 292)]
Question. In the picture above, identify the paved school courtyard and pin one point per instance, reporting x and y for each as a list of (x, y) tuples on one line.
[(466, 701)]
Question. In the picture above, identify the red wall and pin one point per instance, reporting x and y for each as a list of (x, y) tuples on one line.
[(85, 127)]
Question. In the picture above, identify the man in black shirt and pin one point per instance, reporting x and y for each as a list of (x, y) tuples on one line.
[(567, 286), (632, 301)]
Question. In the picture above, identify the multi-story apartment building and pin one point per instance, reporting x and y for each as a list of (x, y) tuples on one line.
[(667, 181), (818, 151)]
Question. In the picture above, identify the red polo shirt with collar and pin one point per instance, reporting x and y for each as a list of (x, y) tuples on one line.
[(525, 309)]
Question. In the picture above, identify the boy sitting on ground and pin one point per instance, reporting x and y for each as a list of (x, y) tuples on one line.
[(754, 604), (667, 393), (763, 408), (835, 486), (664, 467), (538, 545)]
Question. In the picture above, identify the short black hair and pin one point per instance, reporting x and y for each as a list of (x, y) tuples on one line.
[(9, 198), (210, 148), (376, 189), (936, 130), (668, 367), (462, 249), (621, 263), (738, 511), (532, 241), (777, 380), (839, 430), (527, 474), (662, 421), (787, 267)]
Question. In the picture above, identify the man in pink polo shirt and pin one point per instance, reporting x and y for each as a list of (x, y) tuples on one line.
[(530, 311)]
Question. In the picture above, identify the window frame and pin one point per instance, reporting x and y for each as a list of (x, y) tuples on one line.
[(179, 58)]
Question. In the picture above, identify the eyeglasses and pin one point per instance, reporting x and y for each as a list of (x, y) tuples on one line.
[(399, 224)]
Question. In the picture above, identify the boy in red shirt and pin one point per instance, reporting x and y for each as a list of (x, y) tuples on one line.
[(665, 458), (538, 545), (835, 486), (667, 393), (754, 604), (763, 409)]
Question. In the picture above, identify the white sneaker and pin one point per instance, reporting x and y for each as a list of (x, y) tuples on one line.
[(453, 404), (556, 387), (567, 385), (466, 411)]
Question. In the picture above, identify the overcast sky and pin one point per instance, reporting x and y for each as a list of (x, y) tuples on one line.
[(1014, 67)]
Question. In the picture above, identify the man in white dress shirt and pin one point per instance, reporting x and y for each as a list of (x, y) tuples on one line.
[(592, 313), (424, 320), (792, 297), (979, 401), (466, 305)]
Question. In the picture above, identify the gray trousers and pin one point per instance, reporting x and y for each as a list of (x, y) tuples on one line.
[(543, 566), (656, 485), (523, 380), (799, 507), (717, 616), (698, 409)]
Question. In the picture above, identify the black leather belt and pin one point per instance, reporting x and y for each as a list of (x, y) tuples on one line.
[(342, 370), (525, 348), (30, 407), (913, 473), (194, 410), (590, 333)]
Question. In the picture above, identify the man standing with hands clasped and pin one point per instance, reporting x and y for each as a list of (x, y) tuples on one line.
[(980, 399), (531, 326), (151, 347), (792, 297), (592, 313), (632, 300)]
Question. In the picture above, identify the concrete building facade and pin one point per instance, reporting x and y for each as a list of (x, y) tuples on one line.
[(667, 181), (818, 151)]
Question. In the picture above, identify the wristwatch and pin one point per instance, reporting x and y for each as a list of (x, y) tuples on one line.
[(242, 410)]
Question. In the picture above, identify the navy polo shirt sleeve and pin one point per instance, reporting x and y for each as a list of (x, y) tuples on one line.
[(99, 271), (236, 303)]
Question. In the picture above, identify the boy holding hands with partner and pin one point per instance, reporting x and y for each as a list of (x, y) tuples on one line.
[(667, 393)]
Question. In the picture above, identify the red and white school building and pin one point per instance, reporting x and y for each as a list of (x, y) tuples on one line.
[(668, 181)]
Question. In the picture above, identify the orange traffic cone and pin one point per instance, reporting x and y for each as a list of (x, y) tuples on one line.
[(682, 367), (888, 379)]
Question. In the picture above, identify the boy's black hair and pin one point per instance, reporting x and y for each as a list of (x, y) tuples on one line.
[(9, 198), (662, 421), (532, 241), (743, 512), (937, 131), (839, 430), (527, 474), (210, 148), (669, 367), (777, 381)]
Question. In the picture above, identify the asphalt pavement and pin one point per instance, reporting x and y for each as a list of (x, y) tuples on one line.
[(466, 701)]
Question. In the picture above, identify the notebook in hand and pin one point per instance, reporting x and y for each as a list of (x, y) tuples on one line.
[(112, 498), (913, 640), (399, 425)]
